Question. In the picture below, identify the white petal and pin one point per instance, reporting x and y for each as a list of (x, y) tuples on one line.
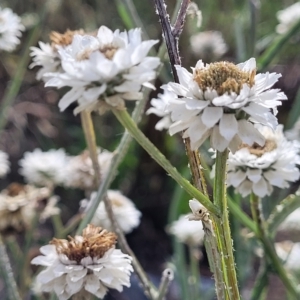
[(260, 188), (217, 141), (211, 116), (254, 174), (249, 134), (228, 126), (105, 36)]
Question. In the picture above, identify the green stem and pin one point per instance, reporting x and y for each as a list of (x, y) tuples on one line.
[(125, 119), (220, 200), (195, 274), (269, 248), (8, 273), (261, 282), (58, 226)]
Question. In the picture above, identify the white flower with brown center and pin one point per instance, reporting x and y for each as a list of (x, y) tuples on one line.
[(20, 203), (257, 169), (222, 101), (80, 172), (126, 214), (4, 164), (10, 29), (44, 168), (159, 108), (84, 264), (187, 231), (288, 17), (46, 55), (104, 70), (208, 45)]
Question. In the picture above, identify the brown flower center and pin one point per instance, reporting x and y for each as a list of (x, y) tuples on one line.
[(224, 77), (14, 189), (258, 150), (64, 39), (94, 242)]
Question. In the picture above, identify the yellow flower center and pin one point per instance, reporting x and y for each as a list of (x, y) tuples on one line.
[(224, 77)]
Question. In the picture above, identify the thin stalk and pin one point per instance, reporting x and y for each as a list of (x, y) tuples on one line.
[(269, 247), (166, 279), (195, 274), (8, 273), (220, 200), (261, 282), (89, 133), (125, 119), (58, 226)]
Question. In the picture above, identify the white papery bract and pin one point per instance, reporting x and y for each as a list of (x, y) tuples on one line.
[(4, 164), (125, 212), (160, 108), (222, 101), (186, 231), (288, 17), (104, 70), (44, 168), (208, 44), (10, 29), (258, 169), (88, 263)]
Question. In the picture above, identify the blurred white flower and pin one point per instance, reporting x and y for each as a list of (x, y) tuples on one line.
[(289, 252), (294, 133), (105, 70), (46, 55), (186, 231), (84, 264), (222, 101), (209, 45), (257, 169), (10, 29), (288, 17), (126, 214), (80, 172), (159, 108), (44, 168), (291, 222), (20, 203), (4, 164)]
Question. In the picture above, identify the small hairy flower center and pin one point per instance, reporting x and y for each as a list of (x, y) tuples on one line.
[(258, 150), (109, 51), (224, 77), (94, 243), (64, 39)]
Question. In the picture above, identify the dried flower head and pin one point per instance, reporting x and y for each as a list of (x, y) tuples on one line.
[(19, 204), (104, 70), (44, 168), (126, 214), (209, 45), (10, 29), (258, 168), (288, 17), (222, 101), (4, 164), (88, 263), (80, 172)]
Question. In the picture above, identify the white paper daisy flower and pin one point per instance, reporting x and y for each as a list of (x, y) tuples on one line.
[(126, 214), (222, 101), (84, 264), (80, 172), (258, 169), (10, 29), (104, 70), (160, 108), (44, 168), (208, 45), (4, 164), (288, 17), (186, 231)]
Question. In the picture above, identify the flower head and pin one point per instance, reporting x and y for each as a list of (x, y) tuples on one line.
[(4, 164), (20, 203), (160, 108), (80, 171), (104, 70), (257, 169), (222, 101), (208, 45), (126, 214), (10, 29), (187, 231), (87, 263), (288, 17), (44, 168)]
